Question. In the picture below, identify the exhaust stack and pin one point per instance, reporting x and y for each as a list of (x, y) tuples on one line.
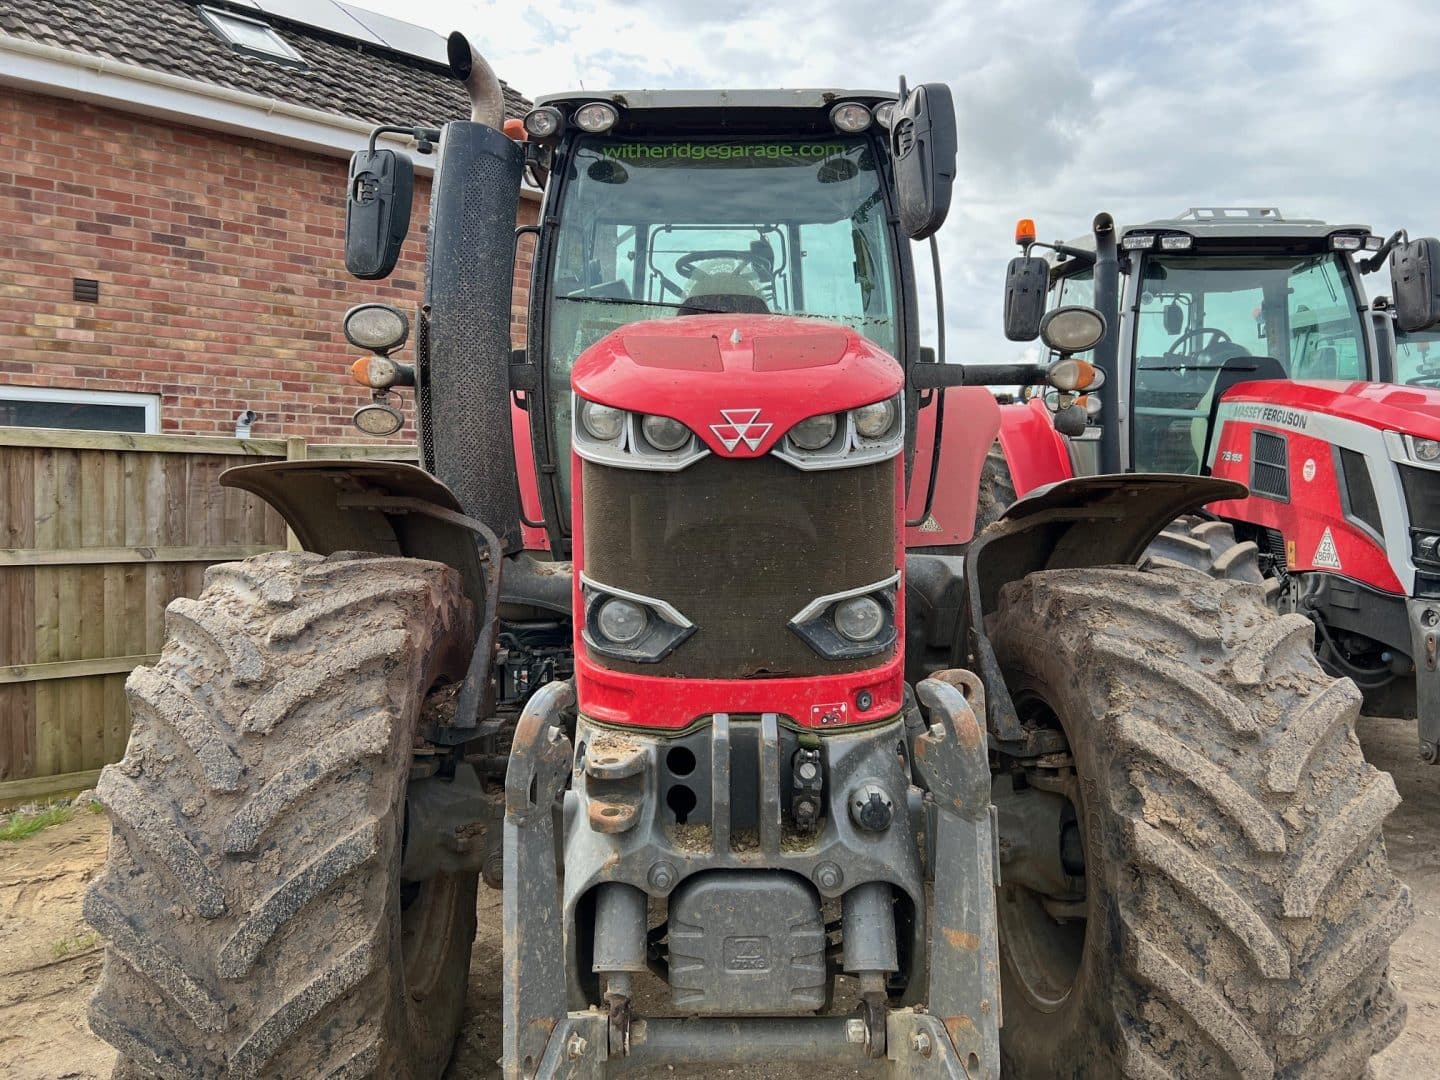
[(487, 100)]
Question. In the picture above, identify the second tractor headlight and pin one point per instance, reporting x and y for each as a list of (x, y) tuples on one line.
[(601, 421), (621, 621), (815, 433), (860, 618), (663, 433), (1426, 449)]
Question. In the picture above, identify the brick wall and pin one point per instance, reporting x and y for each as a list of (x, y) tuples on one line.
[(220, 263)]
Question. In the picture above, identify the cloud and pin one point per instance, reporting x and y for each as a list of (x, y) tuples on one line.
[(1139, 107)]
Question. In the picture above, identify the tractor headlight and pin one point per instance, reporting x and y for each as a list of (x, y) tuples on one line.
[(663, 433), (597, 117), (377, 327), (874, 421), (850, 117), (543, 122), (885, 114), (1072, 329), (621, 621), (1426, 450), (601, 421), (860, 618), (815, 433)]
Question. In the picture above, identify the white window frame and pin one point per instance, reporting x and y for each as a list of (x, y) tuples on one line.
[(281, 50), (60, 396)]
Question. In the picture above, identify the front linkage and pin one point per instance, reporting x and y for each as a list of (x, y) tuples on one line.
[(618, 860)]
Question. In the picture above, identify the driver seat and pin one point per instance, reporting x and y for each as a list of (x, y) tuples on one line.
[(726, 292)]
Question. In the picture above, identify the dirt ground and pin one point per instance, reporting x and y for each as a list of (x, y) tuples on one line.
[(49, 959)]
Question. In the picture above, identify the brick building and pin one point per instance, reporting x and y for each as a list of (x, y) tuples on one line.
[(172, 183)]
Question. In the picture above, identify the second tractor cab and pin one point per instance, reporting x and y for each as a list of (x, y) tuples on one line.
[(1243, 347)]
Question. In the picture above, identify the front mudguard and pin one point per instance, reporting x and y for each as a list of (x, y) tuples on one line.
[(393, 509), (1088, 521)]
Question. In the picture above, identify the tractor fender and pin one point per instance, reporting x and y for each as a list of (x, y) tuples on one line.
[(1087, 521), (1035, 452), (335, 506)]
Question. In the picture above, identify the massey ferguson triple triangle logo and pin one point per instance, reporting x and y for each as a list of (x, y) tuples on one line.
[(741, 425)]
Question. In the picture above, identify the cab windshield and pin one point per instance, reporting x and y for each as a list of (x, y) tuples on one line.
[(1417, 358), (1196, 313), (659, 229)]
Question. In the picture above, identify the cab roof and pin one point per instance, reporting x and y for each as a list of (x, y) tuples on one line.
[(780, 113)]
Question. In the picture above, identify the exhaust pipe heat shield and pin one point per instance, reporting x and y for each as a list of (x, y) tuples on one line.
[(464, 371)]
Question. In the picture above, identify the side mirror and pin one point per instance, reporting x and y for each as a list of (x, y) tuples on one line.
[(1174, 319), (923, 144), (1027, 279), (377, 211), (1415, 277)]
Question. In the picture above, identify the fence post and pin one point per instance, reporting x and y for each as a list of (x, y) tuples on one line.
[(296, 449)]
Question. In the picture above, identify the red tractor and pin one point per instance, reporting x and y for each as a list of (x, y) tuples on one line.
[(1240, 346), (765, 770)]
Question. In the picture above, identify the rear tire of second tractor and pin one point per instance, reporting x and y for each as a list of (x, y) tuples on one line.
[(255, 919), (1238, 907)]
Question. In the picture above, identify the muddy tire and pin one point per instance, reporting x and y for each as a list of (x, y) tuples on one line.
[(254, 917), (1239, 909), (1211, 547), (997, 488)]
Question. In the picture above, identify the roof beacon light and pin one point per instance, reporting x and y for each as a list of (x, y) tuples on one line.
[(850, 117), (1138, 241), (1024, 231), (597, 117), (1346, 242), (1176, 243), (543, 122)]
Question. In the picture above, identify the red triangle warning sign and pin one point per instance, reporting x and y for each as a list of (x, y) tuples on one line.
[(1325, 553)]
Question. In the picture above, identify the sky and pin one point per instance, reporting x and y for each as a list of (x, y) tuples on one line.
[(1323, 108)]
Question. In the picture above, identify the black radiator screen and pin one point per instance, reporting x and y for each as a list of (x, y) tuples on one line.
[(739, 547)]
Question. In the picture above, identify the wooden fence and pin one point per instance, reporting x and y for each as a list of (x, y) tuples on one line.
[(98, 533)]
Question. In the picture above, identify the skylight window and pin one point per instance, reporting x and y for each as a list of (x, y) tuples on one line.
[(251, 37)]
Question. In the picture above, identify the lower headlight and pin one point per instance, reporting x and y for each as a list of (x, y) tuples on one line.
[(860, 618), (601, 421), (663, 433), (815, 433), (621, 621), (1427, 449), (873, 421)]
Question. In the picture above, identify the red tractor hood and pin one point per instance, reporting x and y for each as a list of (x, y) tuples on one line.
[(1412, 410), (742, 380)]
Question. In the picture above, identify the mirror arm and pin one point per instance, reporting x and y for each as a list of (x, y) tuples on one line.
[(937, 376), (939, 300), (425, 137), (1376, 261), (1084, 256)]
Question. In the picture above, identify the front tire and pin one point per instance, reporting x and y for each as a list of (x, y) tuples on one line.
[(254, 916), (1239, 908)]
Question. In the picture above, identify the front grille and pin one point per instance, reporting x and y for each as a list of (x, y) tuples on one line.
[(1270, 465), (738, 547), (1422, 497), (1359, 491)]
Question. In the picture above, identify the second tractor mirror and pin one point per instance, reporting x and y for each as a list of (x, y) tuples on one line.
[(1174, 319), (1026, 280), (377, 211), (1415, 277)]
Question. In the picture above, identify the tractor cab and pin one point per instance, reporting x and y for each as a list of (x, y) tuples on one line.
[(1216, 296), (665, 205)]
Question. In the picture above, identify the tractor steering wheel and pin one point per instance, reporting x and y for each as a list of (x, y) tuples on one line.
[(1425, 378), (685, 265), (1221, 337)]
